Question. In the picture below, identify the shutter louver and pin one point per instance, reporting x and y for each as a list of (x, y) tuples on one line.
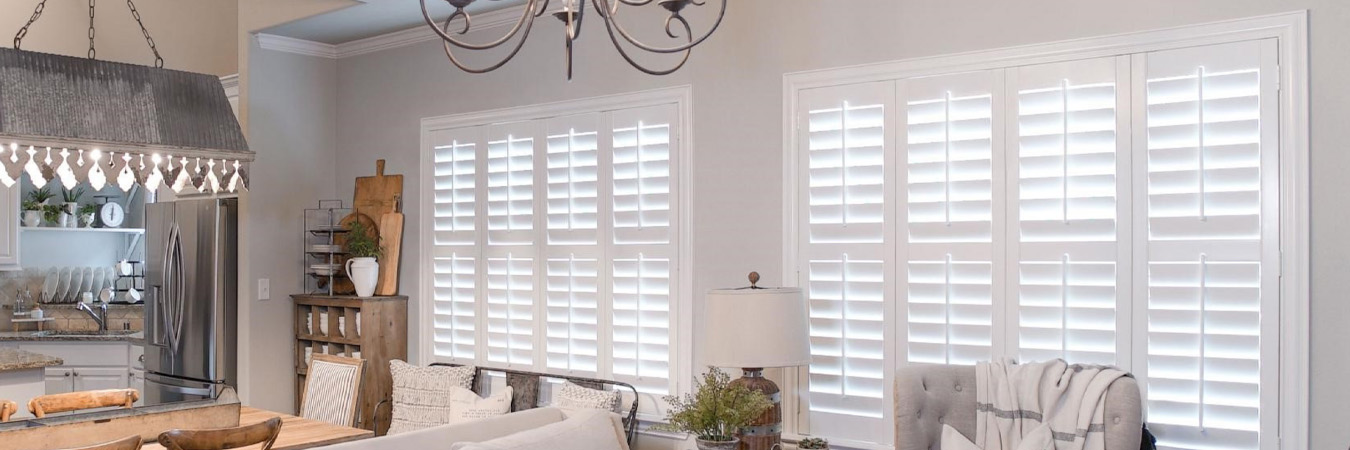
[(1210, 277), (455, 185), (454, 303), (510, 185), (643, 247), (573, 180), (1066, 239), (844, 245), (573, 314), (510, 311), (949, 220)]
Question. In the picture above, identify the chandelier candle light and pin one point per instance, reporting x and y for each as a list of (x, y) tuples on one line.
[(571, 13), (755, 328)]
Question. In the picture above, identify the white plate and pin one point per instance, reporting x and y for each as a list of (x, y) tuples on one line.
[(97, 285), (109, 278), (88, 285), (49, 285), (63, 286)]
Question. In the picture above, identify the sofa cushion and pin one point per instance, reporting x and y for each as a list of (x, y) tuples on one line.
[(422, 394), (444, 436), (465, 405), (574, 397), (583, 430)]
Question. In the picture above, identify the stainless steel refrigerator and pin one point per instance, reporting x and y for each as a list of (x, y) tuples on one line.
[(191, 314)]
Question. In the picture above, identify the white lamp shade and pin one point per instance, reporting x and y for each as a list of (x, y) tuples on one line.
[(756, 328)]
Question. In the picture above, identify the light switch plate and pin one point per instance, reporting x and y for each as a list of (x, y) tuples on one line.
[(264, 289)]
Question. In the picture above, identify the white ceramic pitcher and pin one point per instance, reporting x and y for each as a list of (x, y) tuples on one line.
[(364, 273)]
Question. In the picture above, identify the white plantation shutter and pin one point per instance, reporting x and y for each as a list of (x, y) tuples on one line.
[(572, 286), (455, 203), (1208, 250), (845, 137), (1070, 278), (643, 246), (947, 181), (510, 252), (510, 184), (510, 310)]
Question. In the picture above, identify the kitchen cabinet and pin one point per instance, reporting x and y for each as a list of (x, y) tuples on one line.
[(58, 380), (9, 227), (89, 365)]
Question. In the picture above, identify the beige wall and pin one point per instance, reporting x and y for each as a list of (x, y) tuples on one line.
[(192, 35), (737, 85)]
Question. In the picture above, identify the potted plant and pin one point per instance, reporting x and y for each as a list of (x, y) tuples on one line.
[(33, 208), (53, 215), (813, 443), (715, 412), (87, 215), (71, 206), (363, 247)]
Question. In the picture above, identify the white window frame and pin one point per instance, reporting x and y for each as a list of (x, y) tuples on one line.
[(1291, 32), (682, 295)]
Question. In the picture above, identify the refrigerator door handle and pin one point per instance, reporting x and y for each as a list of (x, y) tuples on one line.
[(176, 294)]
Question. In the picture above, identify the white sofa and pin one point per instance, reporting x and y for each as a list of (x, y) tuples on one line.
[(540, 428)]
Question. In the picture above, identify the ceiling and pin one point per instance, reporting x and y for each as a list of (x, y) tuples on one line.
[(373, 18)]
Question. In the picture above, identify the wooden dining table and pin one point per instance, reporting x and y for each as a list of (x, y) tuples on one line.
[(296, 432)]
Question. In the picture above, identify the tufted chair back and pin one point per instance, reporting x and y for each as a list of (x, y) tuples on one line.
[(928, 396)]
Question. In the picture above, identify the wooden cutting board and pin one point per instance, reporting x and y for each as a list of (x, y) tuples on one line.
[(377, 195), (391, 241)]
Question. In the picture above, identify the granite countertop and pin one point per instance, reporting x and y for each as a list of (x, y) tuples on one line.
[(14, 359), (137, 338)]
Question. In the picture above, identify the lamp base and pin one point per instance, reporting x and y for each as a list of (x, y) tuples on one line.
[(766, 431)]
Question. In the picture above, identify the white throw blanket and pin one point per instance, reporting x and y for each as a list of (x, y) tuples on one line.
[(1039, 406)]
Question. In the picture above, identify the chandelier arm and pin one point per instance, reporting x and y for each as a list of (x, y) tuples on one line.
[(526, 20), (689, 32), (611, 19), (542, 9), (519, 44)]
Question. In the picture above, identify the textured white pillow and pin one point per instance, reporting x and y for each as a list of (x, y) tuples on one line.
[(422, 395), (466, 406), (573, 397), (589, 430)]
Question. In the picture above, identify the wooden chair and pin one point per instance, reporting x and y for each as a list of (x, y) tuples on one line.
[(264, 433), (7, 408), (332, 389), (74, 401), (126, 443)]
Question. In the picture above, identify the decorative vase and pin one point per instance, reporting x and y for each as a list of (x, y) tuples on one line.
[(64, 220), (717, 445), (71, 212), (32, 218), (364, 273), (87, 220)]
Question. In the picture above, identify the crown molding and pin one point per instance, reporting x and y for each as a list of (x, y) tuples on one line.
[(486, 21), (297, 46)]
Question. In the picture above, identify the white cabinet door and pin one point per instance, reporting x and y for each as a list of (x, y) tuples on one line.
[(97, 378), (58, 380), (9, 227), (138, 383)]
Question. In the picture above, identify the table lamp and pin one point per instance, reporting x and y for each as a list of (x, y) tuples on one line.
[(755, 328)]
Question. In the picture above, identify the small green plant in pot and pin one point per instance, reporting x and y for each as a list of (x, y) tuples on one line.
[(87, 215), (71, 206), (813, 443), (53, 214), (715, 412), (363, 247)]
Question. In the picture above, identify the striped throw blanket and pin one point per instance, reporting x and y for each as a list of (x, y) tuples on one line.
[(1048, 405)]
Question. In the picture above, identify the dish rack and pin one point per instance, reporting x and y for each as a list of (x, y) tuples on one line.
[(323, 251)]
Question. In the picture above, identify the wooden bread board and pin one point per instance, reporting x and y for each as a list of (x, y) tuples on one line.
[(376, 197), (391, 241)]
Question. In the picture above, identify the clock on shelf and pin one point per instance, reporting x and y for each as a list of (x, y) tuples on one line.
[(110, 214)]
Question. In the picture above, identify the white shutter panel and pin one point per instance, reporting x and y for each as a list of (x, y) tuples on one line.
[(1211, 255), (510, 248), (643, 247), (572, 284), (510, 184), (454, 198), (948, 181), (1071, 276), (844, 254)]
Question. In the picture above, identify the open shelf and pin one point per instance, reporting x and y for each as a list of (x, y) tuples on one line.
[(84, 230)]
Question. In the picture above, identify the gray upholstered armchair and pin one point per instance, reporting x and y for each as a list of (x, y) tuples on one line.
[(928, 396)]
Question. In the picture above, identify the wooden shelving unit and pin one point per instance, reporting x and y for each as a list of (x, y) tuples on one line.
[(371, 328)]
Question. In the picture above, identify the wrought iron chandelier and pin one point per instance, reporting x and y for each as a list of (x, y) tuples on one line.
[(571, 13)]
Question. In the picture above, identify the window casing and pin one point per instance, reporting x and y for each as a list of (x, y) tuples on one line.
[(1050, 210), (556, 240)]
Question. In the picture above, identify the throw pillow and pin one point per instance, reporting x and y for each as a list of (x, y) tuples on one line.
[(572, 397), (421, 396), (589, 430), (466, 406)]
